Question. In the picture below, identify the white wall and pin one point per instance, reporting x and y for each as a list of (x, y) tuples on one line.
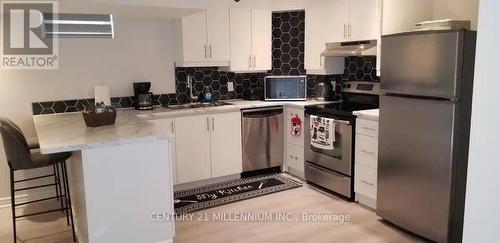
[(457, 9), (482, 204), (142, 51)]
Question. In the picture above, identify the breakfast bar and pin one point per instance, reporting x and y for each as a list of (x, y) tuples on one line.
[(119, 176)]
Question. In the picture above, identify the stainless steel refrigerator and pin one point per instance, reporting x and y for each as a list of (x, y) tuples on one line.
[(425, 109)]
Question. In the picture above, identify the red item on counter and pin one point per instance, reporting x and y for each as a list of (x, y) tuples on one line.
[(295, 126)]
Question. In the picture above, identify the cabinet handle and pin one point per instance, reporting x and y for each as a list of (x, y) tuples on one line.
[(350, 31), (172, 126), (210, 51), (250, 62), (367, 152), (205, 51), (345, 31), (213, 124), (368, 128), (296, 158), (368, 183), (254, 62), (208, 125)]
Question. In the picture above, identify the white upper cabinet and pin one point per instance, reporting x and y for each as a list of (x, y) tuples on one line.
[(363, 20), (218, 33), (262, 39), (352, 20), (338, 20), (202, 38), (241, 38), (401, 15), (316, 37), (251, 39), (194, 39)]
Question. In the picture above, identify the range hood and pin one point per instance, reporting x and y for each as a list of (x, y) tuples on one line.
[(78, 25), (353, 48)]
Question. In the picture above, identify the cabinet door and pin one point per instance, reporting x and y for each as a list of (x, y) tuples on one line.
[(167, 126), (194, 37), (241, 38), (193, 148), (291, 139), (338, 21), (401, 15), (218, 31), (226, 153), (315, 36), (294, 160), (261, 39), (366, 151), (363, 20)]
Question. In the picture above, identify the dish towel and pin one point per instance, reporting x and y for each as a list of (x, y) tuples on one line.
[(322, 132)]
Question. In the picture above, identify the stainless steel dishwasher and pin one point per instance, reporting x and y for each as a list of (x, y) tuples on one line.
[(262, 138)]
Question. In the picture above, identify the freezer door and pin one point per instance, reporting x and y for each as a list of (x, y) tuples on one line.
[(415, 160), (422, 64)]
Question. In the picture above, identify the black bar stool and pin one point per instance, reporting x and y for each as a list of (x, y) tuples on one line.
[(21, 156)]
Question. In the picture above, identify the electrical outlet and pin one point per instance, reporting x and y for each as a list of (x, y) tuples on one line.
[(230, 86)]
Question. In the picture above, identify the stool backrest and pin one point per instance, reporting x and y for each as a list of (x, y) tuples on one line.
[(10, 123), (16, 147)]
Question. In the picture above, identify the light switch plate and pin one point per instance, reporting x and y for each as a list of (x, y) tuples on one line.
[(230, 86)]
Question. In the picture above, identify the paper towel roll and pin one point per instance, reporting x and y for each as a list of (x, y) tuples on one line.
[(101, 94)]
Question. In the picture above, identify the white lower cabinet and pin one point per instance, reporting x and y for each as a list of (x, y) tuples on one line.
[(366, 181), (208, 146), (226, 155), (366, 150), (366, 162), (294, 160), (192, 142), (167, 126), (294, 145)]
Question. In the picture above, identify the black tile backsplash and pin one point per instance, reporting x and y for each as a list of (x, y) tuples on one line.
[(217, 80), (288, 43), (288, 38)]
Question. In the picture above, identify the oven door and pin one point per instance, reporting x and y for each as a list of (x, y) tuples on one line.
[(338, 159)]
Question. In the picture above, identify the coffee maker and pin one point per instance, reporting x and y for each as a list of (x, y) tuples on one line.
[(143, 98)]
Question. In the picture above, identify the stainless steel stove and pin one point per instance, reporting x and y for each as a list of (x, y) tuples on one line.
[(333, 169)]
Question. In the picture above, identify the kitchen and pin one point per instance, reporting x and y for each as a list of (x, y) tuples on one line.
[(243, 58)]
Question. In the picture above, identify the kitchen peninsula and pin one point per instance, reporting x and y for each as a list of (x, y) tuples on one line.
[(119, 176)]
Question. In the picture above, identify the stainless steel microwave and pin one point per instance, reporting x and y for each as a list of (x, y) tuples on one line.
[(285, 88)]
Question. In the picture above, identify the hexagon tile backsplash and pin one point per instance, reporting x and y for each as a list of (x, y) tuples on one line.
[(288, 59)]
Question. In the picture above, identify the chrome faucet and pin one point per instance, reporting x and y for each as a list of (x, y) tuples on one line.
[(192, 97)]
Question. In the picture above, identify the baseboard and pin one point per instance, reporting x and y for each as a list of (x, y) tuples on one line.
[(5, 201), (167, 241)]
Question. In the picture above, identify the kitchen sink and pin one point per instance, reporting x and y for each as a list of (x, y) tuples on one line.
[(197, 105)]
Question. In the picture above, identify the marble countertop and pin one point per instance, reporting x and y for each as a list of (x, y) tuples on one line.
[(68, 132), (236, 105), (368, 114)]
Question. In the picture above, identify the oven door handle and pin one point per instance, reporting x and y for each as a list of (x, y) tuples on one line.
[(343, 122), (315, 167)]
